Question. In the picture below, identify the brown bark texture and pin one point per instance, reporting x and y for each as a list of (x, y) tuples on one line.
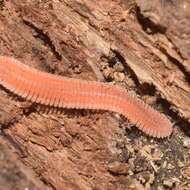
[(142, 45)]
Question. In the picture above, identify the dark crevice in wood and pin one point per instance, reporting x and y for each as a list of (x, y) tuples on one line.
[(6, 125), (127, 68), (146, 23), (2, 4), (45, 38), (47, 183), (184, 127), (147, 89), (46, 67), (178, 121), (178, 64)]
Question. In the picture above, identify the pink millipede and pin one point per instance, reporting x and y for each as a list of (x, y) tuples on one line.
[(58, 91)]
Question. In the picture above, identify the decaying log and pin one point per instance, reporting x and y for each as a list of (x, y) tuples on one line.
[(140, 45)]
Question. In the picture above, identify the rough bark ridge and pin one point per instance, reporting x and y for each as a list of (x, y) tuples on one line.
[(140, 45)]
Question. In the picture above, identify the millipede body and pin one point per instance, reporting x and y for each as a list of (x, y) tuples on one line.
[(63, 92)]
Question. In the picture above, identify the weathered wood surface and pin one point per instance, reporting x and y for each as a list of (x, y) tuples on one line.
[(94, 40)]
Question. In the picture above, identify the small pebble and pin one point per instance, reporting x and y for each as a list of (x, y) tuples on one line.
[(118, 76), (186, 142)]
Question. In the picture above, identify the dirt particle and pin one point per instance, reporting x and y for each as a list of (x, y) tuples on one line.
[(170, 183), (186, 173), (118, 76), (146, 178), (118, 168), (186, 142)]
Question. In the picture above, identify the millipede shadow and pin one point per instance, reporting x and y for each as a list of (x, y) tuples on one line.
[(70, 112), (45, 109)]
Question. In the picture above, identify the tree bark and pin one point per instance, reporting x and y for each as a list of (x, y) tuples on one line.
[(140, 45)]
